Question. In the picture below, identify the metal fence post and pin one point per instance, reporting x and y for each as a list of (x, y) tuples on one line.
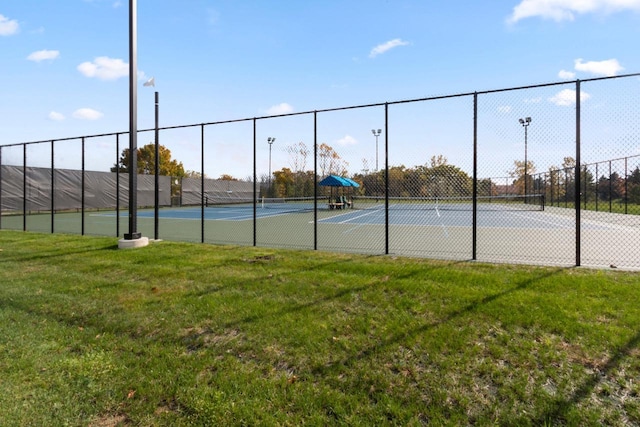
[(117, 185), (202, 199), (255, 183), (24, 187), (386, 178), (626, 186), (315, 180), (610, 188), (577, 173), (0, 187), (82, 190), (53, 193), (156, 180), (474, 219)]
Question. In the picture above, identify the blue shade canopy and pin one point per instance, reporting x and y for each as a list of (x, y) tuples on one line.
[(338, 181), (352, 182)]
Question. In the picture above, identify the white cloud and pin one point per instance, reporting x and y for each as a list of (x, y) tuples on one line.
[(282, 108), (54, 115), (384, 47), (608, 68), (105, 68), (566, 10), (504, 109), (42, 55), (347, 140), (8, 26), (87, 114), (567, 97), (566, 75)]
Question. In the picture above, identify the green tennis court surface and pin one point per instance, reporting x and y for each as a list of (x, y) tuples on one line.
[(518, 233)]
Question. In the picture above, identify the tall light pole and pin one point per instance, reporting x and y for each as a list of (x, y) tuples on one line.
[(270, 141), (133, 124), (525, 123), (133, 239), (376, 134)]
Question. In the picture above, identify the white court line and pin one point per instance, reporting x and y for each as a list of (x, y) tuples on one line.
[(609, 226), (571, 222), (360, 216), (244, 216), (371, 212), (444, 228), (564, 226), (359, 225)]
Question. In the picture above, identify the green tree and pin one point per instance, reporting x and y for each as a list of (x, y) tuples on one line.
[(397, 176), (146, 162), (517, 173), (633, 182), (227, 177), (486, 187), (446, 180), (193, 174), (611, 188), (284, 183)]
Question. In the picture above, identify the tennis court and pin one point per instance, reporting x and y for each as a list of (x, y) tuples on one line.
[(507, 230), (503, 212)]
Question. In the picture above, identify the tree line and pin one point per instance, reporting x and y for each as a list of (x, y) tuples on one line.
[(436, 178), (559, 183)]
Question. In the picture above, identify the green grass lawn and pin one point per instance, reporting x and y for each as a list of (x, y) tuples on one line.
[(185, 334)]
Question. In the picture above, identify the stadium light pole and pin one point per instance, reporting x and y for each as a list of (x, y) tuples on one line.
[(376, 134), (133, 123), (270, 141), (133, 239), (525, 123)]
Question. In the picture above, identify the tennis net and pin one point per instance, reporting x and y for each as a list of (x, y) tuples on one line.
[(531, 202), (280, 203)]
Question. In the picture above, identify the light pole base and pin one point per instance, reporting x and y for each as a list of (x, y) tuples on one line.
[(133, 243)]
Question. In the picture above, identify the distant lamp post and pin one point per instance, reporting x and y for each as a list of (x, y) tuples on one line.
[(525, 123), (270, 141), (376, 133)]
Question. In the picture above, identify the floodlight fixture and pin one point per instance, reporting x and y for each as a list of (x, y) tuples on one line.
[(270, 141), (525, 123)]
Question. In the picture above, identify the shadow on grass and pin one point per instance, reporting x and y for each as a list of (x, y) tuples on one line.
[(337, 295), (560, 410), (398, 338), (53, 254)]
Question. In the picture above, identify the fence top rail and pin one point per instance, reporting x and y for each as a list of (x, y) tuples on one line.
[(326, 110)]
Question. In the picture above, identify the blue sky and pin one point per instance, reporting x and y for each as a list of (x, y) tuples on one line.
[(64, 64)]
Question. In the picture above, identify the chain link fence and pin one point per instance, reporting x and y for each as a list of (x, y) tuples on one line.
[(541, 174)]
